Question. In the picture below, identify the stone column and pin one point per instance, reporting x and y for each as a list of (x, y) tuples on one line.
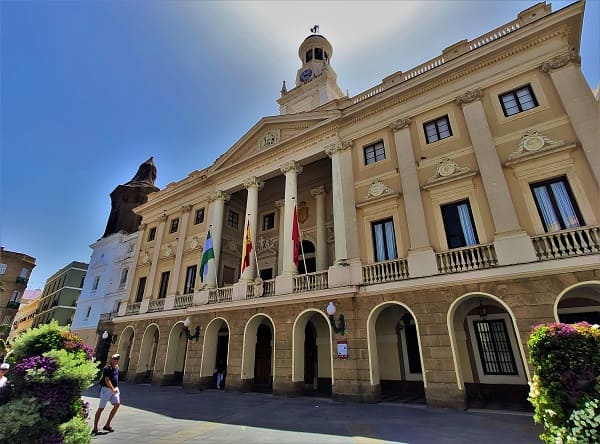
[(319, 194), (253, 185), (511, 242), (347, 259), (216, 232), (291, 170), (185, 217), (280, 205), (155, 255), (578, 100), (421, 257)]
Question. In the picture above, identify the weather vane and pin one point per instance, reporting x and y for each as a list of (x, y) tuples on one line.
[(315, 29)]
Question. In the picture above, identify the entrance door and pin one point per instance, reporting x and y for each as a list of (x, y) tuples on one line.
[(310, 357), (262, 359), (222, 347)]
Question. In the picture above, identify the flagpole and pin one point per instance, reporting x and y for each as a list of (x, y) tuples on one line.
[(302, 250), (215, 266)]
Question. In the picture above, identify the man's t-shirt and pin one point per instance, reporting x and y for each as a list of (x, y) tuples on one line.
[(113, 376)]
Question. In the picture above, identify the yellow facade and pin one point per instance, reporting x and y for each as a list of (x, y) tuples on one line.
[(444, 212)]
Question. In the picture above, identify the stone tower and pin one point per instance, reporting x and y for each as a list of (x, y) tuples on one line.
[(126, 197)]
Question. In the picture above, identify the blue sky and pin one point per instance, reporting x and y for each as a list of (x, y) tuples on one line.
[(91, 89)]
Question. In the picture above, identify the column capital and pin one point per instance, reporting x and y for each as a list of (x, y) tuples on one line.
[(186, 208), (400, 124), (142, 226), (162, 218), (317, 191), (254, 182), (469, 96), (293, 166), (280, 203), (220, 195), (338, 147), (560, 61)]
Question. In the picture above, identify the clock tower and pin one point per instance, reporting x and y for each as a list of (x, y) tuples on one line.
[(316, 81)]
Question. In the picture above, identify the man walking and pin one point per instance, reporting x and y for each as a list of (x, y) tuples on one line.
[(3, 371), (109, 392)]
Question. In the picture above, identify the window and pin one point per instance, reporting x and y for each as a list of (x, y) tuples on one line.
[(2, 268), (15, 296), (374, 153), (556, 205), (24, 273), (517, 101), (199, 216), (190, 279), (140, 289), (123, 280), (459, 225), (384, 240), (164, 283), (309, 55), (266, 274), (174, 225), (494, 346), (82, 281), (233, 219), (151, 234), (319, 53), (89, 310), (268, 221), (96, 282), (437, 129)]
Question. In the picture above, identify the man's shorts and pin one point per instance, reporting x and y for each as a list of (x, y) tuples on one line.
[(107, 395)]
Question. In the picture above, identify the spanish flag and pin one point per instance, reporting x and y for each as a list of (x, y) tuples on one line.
[(247, 248)]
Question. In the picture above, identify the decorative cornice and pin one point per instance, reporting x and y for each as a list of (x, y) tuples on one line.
[(263, 244), (400, 124), (378, 188), (447, 168), (531, 142), (560, 61), (254, 182), (219, 195), (317, 191), (337, 147), (292, 166), (469, 96)]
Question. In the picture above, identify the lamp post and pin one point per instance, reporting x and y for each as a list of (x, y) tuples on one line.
[(340, 325), (186, 325)]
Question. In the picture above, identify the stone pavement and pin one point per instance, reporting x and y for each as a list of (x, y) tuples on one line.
[(173, 415)]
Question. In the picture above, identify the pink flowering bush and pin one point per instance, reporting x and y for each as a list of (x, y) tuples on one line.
[(566, 385), (50, 368)]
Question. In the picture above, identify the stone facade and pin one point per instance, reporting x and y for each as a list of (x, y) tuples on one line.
[(15, 269), (439, 211)]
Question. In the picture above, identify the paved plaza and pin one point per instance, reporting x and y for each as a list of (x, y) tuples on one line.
[(173, 415)]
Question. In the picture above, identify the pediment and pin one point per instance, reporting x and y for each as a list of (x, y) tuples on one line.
[(269, 134)]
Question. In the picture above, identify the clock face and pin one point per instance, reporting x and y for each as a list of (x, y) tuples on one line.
[(305, 75)]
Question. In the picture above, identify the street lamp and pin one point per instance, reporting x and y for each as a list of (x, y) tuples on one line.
[(106, 335), (186, 325), (340, 325)]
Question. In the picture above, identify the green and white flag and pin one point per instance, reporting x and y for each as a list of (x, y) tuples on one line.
[(208, 253)]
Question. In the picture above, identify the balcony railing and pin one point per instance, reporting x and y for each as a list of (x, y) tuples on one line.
[(107, 316), (467, 259), (566, 243), (269, 288), (220, 295), (133, 308), (262, 289), (156, 305), (388, 271), (310, 281), (183, 301)]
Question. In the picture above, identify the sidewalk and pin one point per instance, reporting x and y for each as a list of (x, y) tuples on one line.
[(172, 415)]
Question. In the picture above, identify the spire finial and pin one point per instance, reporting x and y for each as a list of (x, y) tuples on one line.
[(283, 89), (315, 29)]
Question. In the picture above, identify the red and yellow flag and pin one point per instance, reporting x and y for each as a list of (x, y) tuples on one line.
[(247, 249)]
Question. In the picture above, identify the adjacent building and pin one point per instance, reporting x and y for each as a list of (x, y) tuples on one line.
[(60, 294), (398, 244), (15, 269), (26, 314), (111, 260)]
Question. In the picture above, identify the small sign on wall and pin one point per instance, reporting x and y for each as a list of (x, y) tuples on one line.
[(342, 349)]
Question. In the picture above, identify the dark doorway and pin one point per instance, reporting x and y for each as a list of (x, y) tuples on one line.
[(310, 358), (222, 348), (263, 382), (306, 256)]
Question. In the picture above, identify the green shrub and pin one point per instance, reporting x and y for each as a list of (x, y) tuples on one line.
[(566, 390), (76, 431)]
